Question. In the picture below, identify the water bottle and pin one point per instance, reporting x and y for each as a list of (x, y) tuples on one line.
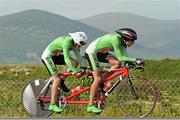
[(76, 89), (106, 88)]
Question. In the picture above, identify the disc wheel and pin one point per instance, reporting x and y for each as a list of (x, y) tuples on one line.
[(33, 107)]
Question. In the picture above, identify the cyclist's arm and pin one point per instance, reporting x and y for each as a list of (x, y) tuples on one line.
[(79, 57), (125, 53), (67, 59), (119, 51)]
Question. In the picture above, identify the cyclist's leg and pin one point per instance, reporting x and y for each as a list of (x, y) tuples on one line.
[(108, 58), (93, 93), (59, 60), (113, 61), (54, 91), (97, 79), (95, 85), (47, 60)]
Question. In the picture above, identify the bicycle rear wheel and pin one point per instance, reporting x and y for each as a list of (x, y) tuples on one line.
[(33, 107), (136, 97)]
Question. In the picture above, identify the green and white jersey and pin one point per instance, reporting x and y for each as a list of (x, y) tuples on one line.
[(108, 42), (63, 45)]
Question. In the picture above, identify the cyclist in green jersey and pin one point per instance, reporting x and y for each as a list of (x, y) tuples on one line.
[(97, 52), (57, 52)]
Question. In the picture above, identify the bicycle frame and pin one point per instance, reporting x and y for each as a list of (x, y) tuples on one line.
[(122, 72), (135, 96)]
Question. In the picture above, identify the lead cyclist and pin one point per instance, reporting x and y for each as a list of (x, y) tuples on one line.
[(98, 51)]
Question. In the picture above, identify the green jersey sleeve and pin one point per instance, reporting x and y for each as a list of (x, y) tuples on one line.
[(67, 58), (118, 50)]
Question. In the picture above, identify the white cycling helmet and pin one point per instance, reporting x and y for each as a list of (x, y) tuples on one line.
[(79, 38)]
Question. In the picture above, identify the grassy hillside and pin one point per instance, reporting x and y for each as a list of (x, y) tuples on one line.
[(164, 69), (13, 77)]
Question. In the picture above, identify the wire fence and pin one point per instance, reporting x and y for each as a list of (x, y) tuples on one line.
[(168, 104)]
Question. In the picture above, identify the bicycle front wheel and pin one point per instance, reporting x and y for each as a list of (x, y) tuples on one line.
[(33, 107), (136, 97)]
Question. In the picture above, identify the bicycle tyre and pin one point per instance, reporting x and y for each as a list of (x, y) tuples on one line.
[(141, 106), (32, 107)]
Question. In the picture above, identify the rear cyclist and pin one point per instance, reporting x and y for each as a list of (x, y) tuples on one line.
[(57, 52), (99, 49)]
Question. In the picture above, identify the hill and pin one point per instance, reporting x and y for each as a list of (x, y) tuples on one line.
[(24, 35)]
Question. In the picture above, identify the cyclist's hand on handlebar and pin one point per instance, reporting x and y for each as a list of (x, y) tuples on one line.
[(140, 61)]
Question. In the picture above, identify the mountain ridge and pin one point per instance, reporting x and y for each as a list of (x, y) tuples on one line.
[(24, 36), (152, 33), (29, 32)]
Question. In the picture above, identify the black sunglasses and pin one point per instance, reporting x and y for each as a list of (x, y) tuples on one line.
[(82, 43)]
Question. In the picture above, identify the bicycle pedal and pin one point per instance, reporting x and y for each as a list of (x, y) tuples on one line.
[(37, 101)]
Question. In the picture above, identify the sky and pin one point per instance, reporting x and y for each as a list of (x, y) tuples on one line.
[(77, 9)]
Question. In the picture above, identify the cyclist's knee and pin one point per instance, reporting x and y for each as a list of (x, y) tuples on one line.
[(115, 65), (74, 62), (56, 78), (97, 76), (114, 62)]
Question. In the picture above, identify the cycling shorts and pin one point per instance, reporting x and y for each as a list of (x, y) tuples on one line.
[(94, 57), (50, 61)]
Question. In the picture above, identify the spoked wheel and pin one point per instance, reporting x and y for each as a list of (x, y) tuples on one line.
[(136, 97), (33, 107)]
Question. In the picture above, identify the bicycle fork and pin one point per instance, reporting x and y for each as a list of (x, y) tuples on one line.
[(133, 92)]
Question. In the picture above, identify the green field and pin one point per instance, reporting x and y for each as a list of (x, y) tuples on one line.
[(164, 74)]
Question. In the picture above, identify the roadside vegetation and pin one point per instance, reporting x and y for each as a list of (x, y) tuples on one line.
[(164, 74)]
